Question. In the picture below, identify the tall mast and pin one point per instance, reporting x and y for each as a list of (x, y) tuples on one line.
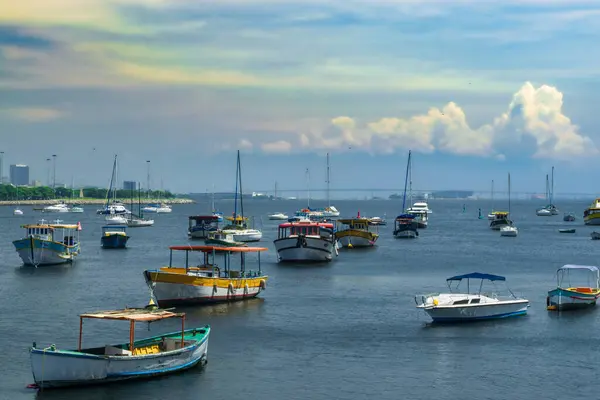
[(509, 193), (410, 197), (547, 191), (241, 191), (328, 199), (275, 197), (213, 198), (492, 195), (405, 182), (237, 170), (308, 186), (552, 188)]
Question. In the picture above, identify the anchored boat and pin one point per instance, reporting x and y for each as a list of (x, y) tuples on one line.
[(567, 296), (305, 240), (207, 282), (591, 215), (47, 244), (463, 307), (114, 237), (136, 359), (199, 226), (218, 238), (356, 232)]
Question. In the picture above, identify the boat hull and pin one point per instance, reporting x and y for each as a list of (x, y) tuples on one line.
[(177, 289), (61, 368), (356, 238), (565, 299), (223, 243), (592, 219), (451, 314), (312, 249), (244, 236), (406, 234), (114, 241), (34, 251)]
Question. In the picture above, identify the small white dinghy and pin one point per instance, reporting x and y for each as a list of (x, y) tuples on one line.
[(509, 231), (464, 307)]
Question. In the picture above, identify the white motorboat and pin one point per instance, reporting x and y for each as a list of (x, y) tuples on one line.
[(242, 234), (543, 212), (305, 240), (76, 209), (278, 217), (116, 219), (419, 207), (17, 211), (462, 307), (157, 208), (115, 208), (56, 208), (510, 231)]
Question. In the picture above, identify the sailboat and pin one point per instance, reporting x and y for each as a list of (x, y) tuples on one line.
[(492, 215), (74, 208), (550, 209), (510, 229), (137, 221), (327, 212), (116, 207), (213, 210), (17, 210), (405, 225), (419, 209), (239, 224)]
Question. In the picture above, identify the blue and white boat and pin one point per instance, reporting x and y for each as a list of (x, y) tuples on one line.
[(137, 359), (467, 306), (568, 296), (47, 244), (406, 226), (114, 237)]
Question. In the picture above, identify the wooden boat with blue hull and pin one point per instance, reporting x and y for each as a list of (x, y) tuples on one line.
[(200, 226), (114, 237), (465, 307), (137, 359), (567, 296), (49, 244)]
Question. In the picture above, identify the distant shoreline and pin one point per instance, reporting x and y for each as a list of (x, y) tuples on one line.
[(91, 201)]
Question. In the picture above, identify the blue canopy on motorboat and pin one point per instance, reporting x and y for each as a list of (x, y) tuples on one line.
[(405, 216), (572, 266), (477, 275)]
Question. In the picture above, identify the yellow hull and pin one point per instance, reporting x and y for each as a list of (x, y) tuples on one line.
[(356, 238), (592, 219), (179, 276)]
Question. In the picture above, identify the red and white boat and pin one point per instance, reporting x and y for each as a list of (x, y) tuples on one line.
[(305, 240)]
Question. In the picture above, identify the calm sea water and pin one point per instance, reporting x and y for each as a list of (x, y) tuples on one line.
[(344, 330)]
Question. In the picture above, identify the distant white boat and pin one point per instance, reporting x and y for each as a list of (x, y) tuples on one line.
[(17, 211), (58, 208), (510, 231), (157, 208), (115, 219), (134, 221), (278, 216), (543, 212), (76, 209)]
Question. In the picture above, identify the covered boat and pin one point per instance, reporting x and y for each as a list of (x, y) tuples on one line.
[(405, 227), (136, 359), (199, 226), (567, 296), (305, 241), (218, 238), (591, 215), (471, 306), (501, 219), (207, 282), (114, 237), (356, 232), (47, 244)]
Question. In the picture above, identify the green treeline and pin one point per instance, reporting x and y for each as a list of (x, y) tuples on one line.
[(9, 193)]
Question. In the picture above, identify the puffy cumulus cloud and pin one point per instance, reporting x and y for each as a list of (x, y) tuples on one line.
[(533, 116), (32, 114), (278, 147)]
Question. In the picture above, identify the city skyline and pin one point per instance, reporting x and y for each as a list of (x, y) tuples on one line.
[(474, 89)]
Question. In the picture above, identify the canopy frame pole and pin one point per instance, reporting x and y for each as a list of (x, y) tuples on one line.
[(80, 333)]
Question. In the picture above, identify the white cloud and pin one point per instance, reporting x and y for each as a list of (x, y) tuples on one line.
[(534, 117), (245, 144), (280, 146), (33, 114)]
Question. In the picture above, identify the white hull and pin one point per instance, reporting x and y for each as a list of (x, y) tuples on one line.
[(174, 294), (17, 212), (544, 213), (248, 235), (59, 368), (356, 241), (155, 210), (139, 223), (43, 257), (276, 217), (477, 312), (316, 249), (115, 220), (491, 217), (509, 231), (408, 234)]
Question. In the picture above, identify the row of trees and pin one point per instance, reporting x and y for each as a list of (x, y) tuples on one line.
[(12, 193)]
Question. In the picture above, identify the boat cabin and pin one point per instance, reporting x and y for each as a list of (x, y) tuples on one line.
[(208, 266), (237, 222), (357, 224), (49, 232), (202, 224), (114, 230), (323, 230), (137, 348)]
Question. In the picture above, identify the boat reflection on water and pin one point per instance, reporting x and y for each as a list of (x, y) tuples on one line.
[(235, 307)]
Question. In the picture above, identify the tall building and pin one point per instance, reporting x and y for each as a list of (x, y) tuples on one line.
[(19, 174), (129, 185)]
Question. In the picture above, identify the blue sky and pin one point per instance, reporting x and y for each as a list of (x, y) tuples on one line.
[(476, 89)]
